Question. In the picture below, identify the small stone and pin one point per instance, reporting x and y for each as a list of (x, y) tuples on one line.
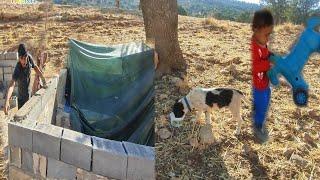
[(308, 139), (164, 133), (288, 153), (236, 60), (163, 96), (299, 160), (199, 67), (298, 112), (194, 142), (206, 134), (313, 114), (233, 69)]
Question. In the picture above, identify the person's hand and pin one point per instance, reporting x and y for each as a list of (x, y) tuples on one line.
[(44, 83), (6, 108)]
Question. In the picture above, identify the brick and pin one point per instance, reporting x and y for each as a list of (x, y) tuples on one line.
[(20, 134), (27, 161), (76, 149), (46, 140), (85, 175), (141, 161), (11, 56), (60, 170), (109, 158), (40, 165), (15, 156), (18, 174)]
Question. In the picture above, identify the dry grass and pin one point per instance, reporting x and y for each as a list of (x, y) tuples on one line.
[(223, 59)]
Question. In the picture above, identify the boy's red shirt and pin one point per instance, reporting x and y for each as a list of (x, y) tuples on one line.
[(260, 65)]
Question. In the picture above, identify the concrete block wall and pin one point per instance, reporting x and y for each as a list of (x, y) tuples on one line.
[(40, 150), (8, 61)]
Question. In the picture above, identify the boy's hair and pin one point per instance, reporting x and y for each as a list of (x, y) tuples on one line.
[(262, 18)]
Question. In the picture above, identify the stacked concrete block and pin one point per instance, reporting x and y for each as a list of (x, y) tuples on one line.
[(18, 174), (40, 150), (27, 160), (15, 156), (39, 165), (48, 97), (76, 149), (60, 99), (20, 134), (60, 170), (30, 110), (8, 61), (46, 140), (141, 161), (86, 175), (11, 56), (109, 158)]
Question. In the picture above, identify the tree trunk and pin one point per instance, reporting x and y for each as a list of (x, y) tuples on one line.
[(161, 27), (118, 4)]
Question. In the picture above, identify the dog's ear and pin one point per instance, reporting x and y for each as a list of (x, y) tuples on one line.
[(177, 109)]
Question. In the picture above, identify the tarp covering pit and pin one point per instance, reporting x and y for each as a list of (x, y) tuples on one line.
[(112, 91)]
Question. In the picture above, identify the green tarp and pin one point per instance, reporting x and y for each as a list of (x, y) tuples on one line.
[(112, 91)]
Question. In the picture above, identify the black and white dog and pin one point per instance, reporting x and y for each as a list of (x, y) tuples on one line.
[(205, 101)]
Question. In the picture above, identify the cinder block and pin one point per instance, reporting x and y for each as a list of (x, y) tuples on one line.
[(60, 170), (11, 56), (2, 56), (141, 161), (7, 70), (7, 77), (15, 156), (39, 165), (109, 158), (76, 149), (20, 134), (27, 161), (61, 87), (30, 110), (11, 63), (46, 140), (85, 175), (18, 174)]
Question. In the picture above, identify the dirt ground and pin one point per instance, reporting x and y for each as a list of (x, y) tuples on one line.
[(217, 54)]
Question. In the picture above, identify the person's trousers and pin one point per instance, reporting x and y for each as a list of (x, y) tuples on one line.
[(261, 101), (22, 101)]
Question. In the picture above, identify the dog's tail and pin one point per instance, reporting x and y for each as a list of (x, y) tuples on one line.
[(242, 96)]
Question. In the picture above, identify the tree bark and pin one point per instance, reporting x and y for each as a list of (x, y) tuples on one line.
[(161, 27), (118, 4)]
